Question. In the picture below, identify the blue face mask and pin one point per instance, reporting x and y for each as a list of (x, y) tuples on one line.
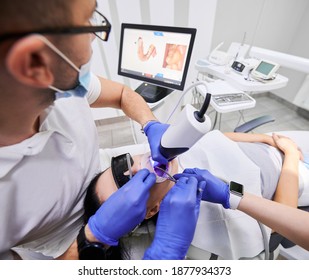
[(82, 88), (83, 75)]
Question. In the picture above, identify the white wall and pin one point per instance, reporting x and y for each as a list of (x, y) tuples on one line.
[(280, 25), (198, 14)]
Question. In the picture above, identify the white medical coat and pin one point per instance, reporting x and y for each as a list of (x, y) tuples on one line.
[(44, 178)]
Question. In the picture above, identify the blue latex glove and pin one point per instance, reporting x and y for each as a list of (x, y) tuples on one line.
[(154, 131), (123, 210), (176, 222), (216, 190)]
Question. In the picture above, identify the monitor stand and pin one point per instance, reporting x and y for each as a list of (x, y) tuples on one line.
[(152, 93)]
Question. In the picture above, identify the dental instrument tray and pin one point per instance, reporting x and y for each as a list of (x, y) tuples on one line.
[(231, 99)]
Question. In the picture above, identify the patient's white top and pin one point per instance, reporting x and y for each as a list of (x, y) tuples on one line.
[(44, 178), (270, 160)]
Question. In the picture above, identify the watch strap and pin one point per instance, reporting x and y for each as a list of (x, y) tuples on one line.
[(96, 249), (234, 200), (236, 194)]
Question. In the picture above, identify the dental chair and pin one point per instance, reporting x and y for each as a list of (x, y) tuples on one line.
[(224, 233), (250, 125)]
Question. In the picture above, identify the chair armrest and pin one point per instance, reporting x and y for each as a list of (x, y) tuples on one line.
[(250, 125)]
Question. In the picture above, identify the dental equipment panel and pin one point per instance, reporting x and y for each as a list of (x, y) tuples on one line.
[(244, 67), (265, 70)]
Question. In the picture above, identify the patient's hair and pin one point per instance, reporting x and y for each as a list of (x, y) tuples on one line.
[(92, 204)]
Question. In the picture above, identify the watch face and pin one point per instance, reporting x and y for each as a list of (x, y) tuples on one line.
[(236, 188), (92, 251)]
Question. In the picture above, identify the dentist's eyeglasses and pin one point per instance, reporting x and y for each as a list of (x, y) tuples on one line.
[(100, 21), (100, 26)]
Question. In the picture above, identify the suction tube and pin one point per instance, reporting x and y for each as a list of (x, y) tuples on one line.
[(200, 115)]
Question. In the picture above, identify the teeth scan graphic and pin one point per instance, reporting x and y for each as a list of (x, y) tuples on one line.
[(174, 56), (151, 52)]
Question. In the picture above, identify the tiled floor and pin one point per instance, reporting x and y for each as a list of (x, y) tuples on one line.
[(117, 131), (114, 132)]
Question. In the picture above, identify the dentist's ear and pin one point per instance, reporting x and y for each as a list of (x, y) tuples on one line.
[(29, 62)]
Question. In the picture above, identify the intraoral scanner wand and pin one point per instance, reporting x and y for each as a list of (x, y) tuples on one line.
[(190, 127)]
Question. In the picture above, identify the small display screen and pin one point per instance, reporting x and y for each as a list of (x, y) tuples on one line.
[(265, 68), (235, 187)]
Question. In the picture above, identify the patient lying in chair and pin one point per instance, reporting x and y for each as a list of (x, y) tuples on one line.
[(227, 233), (109, 181)]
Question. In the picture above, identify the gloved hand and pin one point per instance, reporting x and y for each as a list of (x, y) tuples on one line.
[(177, 220), (154, 131), (123, 210), (216, 190)]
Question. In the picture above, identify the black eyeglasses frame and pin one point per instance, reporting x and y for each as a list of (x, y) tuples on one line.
[(64, 30)]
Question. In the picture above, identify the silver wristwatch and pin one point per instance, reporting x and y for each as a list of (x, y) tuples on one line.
[(236, 194)]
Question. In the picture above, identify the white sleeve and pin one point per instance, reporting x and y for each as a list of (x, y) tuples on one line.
[(94, 89), (27, 254)]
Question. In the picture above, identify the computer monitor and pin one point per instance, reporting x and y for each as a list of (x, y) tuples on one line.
[(157, 55)]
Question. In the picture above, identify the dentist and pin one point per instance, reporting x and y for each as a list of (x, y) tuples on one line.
[(48, 140)]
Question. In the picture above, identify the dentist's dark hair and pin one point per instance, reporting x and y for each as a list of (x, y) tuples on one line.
[(26, 15)]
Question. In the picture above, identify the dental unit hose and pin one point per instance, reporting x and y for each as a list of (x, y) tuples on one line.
[(190, 127)]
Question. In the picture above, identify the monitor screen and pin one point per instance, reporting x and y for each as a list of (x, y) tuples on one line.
[(158, 55), (265, 70), (265, 67)]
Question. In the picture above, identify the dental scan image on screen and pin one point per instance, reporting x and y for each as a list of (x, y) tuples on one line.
[(156, 55)]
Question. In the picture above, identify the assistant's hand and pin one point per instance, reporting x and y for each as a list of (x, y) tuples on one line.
[(123, 210), (216, 190), (177, 220), (154, 131)]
